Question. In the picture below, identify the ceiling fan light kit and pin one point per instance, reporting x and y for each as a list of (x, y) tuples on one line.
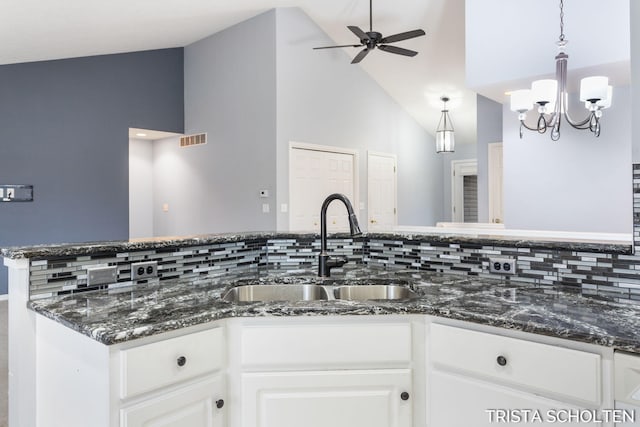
[(551, 97), (373, 39)]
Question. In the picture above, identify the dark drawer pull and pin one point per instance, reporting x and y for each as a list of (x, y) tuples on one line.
[(219, 403), (502, 361), (404, 395), (182, 361)]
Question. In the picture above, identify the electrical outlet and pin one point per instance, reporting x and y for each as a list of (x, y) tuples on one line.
[(101, 275), (502, 265), (144, 270)]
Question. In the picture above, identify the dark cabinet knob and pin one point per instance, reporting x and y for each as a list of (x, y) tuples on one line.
[(502, 361), (404, 395), (182, 361), (219, 403)]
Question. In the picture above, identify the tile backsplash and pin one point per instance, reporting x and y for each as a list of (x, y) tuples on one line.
[(610, 273)]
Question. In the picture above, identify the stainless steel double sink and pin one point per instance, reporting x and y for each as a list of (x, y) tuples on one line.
[(313, 292)]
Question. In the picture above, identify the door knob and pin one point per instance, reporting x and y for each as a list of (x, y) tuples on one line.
[(502, 361), (181, 361), (404, 395), (373, 221), (219, 403)]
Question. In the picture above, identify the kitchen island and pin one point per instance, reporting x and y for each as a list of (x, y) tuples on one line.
[(129, 351)]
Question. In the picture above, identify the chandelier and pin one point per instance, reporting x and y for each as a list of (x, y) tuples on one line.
[(552, 99)]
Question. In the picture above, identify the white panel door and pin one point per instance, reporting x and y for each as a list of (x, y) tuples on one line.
[(190, 406), (315, 174), (496, 212), (457, 401), (381, 182), (327, 399)]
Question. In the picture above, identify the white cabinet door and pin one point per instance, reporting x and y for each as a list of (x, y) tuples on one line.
[(189, 406), (458, 401), (327, 399)]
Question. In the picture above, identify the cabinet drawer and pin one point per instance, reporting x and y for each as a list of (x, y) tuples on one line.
[(538, 367), (297, 346), (166, 362)]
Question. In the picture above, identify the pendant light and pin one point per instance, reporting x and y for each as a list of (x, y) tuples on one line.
[(445, 141)]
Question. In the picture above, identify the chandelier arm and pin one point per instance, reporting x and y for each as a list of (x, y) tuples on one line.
[(582, 124)]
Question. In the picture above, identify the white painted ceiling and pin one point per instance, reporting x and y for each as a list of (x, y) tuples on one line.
[(35, 30)]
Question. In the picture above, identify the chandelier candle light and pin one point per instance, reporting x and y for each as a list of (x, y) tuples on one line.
[(445, 142), (552, 98)]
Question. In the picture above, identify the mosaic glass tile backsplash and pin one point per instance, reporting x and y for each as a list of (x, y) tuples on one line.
[(608, 273)]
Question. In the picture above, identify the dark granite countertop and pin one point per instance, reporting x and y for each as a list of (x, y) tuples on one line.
[(119, 315), (107, 247)]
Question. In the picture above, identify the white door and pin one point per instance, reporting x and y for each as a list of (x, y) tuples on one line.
[(315, 172), (191, 406), (327, 399), (496, 213), (459, 170), (458, 401), (382, 189)]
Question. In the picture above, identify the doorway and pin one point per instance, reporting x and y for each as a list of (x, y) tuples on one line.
[(496, 210), (464, 190), (316, 171)]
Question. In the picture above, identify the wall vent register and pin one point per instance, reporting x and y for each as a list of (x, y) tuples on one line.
[(190, 140)]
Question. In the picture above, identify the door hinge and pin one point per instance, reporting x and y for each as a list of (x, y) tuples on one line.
[(394, 169), (395, 212)]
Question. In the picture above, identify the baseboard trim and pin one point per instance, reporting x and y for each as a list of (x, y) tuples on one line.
[(4, 297)]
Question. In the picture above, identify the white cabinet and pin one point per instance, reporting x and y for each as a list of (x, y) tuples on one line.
[(171, 379), (321, 372), (482, 379), (334, 398), (195, 405), (461, 401), (627, 388)]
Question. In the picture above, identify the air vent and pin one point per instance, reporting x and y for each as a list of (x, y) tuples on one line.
[(190, 140)]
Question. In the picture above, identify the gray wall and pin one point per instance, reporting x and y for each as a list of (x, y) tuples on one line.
[(140, 188), (323, 99), (489, 130), (579, 183), (64, 129), (253, 99), (230, 93), (635, 79)]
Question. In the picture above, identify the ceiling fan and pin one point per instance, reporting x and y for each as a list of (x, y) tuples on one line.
[(372, 39)]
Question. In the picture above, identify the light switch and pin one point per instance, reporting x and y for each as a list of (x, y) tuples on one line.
[(165, 207), (265, 208), (284, 208)]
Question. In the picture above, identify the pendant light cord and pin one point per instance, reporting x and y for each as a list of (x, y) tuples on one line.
[(561, 20), (370, 15)]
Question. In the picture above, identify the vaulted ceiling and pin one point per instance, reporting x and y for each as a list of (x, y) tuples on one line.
[(35, 30)]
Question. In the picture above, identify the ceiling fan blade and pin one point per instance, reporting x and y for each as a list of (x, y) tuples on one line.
[(333, 47), (358, 32), (402, 36), (397, 50), (360, 56)]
